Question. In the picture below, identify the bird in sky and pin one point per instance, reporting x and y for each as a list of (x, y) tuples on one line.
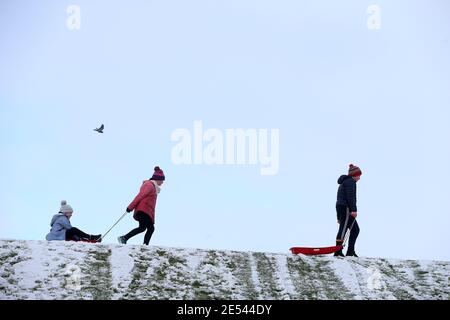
[(100, 130)]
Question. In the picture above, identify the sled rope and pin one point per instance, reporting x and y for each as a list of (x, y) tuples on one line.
[(113, 225)]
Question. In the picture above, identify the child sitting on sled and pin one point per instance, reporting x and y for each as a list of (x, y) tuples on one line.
[(63, 230)]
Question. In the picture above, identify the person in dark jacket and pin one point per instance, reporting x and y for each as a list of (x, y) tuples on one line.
[(347, 211)]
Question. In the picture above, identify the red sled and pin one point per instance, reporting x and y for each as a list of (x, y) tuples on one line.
[(315, 251), (84, 240)]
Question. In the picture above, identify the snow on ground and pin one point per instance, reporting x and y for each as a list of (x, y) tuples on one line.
[(348, 275), (283, 275), (69, 270), (37, 269), (122, 265)]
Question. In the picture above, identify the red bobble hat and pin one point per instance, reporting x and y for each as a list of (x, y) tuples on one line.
[(354, 171), (158, 174)]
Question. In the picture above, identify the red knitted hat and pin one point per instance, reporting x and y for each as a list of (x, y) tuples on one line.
[(158, 174), (354, 171)]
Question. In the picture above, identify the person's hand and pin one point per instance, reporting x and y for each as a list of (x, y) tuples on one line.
[(128, 210), (354, 214)]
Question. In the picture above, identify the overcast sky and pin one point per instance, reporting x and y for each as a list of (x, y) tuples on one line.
[(337, 86)]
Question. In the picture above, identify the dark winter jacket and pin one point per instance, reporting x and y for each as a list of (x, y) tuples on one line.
[(346, 195)]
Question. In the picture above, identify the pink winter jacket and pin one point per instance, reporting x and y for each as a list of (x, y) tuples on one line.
[(145, 201)]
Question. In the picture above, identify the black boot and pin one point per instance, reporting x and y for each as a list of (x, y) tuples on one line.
[(96, 238), (339, 252), (122, 240), (351, 253)]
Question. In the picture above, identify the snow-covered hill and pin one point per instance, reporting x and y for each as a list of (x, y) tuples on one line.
[(68, 270)]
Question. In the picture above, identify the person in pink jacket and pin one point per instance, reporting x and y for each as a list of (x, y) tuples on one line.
[(144, 207)]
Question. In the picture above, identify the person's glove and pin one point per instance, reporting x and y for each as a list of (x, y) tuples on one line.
[(128, 210)]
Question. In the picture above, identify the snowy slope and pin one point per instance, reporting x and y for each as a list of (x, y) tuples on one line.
[(68, 270)]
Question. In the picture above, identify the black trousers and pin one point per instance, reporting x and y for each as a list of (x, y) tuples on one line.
[(345, 222), (145, 223), (76, 234)]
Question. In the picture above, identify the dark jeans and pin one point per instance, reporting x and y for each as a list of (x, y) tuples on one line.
[(345, 222), (76, 234), (145, 223)]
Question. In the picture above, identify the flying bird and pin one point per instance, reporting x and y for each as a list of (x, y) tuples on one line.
[(100, 130)]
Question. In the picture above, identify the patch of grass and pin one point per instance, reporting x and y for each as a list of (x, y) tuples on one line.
[(332, 286), (7, 256), (266, 271), (160, 274), (240, 267), (175, 260), (211, 258), (302, 278), (398, 290), (139, 271), (167, 279), (97, 274), (203, 294), (231, 265), (160, 253), (420, 276)]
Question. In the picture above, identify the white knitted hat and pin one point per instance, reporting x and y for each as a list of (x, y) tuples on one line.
[(65, 207)]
